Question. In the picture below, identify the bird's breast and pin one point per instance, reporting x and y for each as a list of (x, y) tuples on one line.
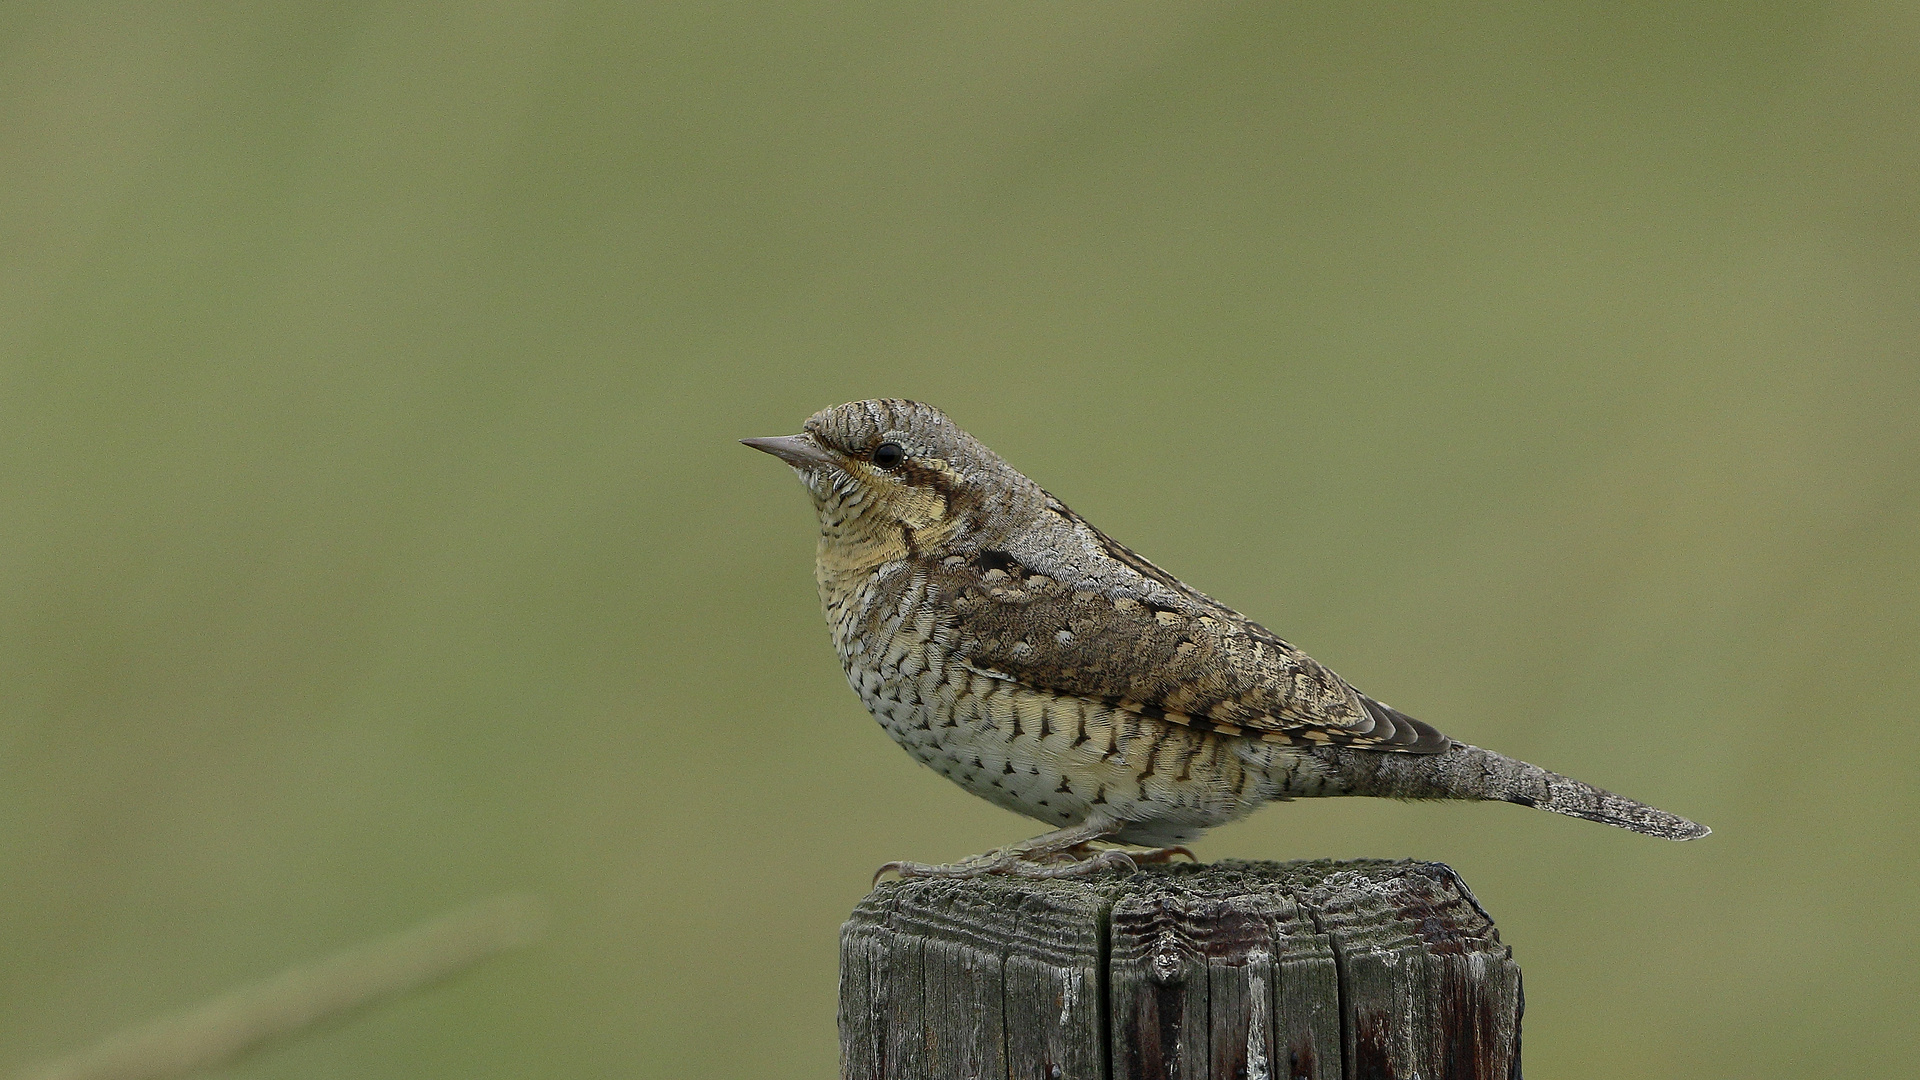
[(1054, 757)]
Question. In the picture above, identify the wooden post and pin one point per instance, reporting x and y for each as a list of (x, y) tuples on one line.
[(1238, 971)]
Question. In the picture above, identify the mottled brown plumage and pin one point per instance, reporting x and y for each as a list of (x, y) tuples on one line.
[(1024, 654)]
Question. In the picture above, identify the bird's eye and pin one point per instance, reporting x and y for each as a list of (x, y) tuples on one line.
[(889, 455)]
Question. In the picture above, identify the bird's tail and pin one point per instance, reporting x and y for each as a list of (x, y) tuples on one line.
[(1468, 772)]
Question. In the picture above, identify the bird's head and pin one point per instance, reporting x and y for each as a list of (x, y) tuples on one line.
[(893, 478)]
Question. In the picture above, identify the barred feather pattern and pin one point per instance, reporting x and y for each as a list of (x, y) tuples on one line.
[(1009, 645)]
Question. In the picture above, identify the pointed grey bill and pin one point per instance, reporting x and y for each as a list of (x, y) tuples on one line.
[(800, 451)]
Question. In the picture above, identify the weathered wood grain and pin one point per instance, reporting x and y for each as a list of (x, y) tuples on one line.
[(1243, 970), (1428, 989)]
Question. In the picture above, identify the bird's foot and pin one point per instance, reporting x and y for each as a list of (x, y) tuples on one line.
[(1163, 854), (1148, 857), (1013, 862), (1080, 860)]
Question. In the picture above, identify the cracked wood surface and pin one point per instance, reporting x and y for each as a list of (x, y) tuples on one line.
[(1237, 970)]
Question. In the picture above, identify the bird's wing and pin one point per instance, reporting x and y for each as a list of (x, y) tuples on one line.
[(1131, 635)]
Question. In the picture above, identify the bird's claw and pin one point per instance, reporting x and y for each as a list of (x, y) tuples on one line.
[(1013, 863)]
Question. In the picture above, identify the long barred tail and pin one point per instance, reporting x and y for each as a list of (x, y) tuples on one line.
[(1468, 772)]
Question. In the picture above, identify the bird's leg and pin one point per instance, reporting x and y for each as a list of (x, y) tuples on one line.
[(1061, 853)]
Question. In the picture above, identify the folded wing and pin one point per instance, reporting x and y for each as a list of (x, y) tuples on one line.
[(1105, 624)]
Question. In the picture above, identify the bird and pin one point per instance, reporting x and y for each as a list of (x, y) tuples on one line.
[(1009, 645)]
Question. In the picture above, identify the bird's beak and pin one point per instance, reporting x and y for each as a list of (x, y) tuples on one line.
[(799, 451)]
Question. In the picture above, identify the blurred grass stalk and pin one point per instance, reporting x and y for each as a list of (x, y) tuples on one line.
[(237, 1023)]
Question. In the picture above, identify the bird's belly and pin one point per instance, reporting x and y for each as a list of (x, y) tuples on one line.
[(1058, 758)]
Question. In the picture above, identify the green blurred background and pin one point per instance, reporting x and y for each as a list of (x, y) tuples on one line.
[(373, 538)]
